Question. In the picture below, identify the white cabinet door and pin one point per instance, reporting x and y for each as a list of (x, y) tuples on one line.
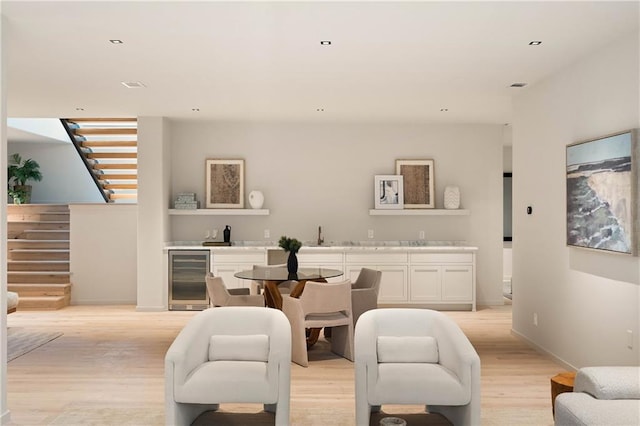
[(457, 283), (227, 271), (323, 260), (426, 283), (393, 284)]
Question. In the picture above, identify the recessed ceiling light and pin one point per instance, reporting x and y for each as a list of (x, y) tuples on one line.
[(535, 43), (133, 84), (320, 109), (444, 109), (195, 109), (116, 41), (325, 42), (79, 109), (518, 84)]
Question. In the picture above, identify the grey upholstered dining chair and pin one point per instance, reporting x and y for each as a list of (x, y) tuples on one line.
[(219, 295)]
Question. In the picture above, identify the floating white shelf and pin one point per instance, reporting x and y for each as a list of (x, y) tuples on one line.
[(419, 212), (219, 212)]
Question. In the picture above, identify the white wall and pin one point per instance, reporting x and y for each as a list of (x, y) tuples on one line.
[(323, 174), (103, 242), (65, 179), (585, 300), (5, 415), (153, 199)]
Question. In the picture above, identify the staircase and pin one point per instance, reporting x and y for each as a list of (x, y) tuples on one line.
[(109, 149), (38, 255)]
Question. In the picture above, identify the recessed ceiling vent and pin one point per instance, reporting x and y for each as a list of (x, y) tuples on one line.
[(133, 85), (518, 84)]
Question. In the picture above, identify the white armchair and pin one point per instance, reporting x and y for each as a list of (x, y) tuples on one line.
[(601, 396), (415, 356), (229, 355)]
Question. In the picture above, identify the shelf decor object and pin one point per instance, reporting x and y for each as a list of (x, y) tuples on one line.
[(224, 183), (418, 183), (602, 193), (186, 201), (451, 197), (388, 192), (256, 199)]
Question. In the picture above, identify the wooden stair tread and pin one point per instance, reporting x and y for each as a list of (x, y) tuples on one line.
[(38, 261), (119, 166), (101, 119), (117, 176), (38, 273), (90, 131), (38, 250), (129, 155), (108, 144)]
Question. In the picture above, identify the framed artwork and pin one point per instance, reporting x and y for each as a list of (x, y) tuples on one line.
[(388, 192), (224, 184), (419, 184), (602, 193)]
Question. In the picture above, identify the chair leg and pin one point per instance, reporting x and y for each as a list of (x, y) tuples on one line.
[(182, 414), (342, 341), (299, 345)]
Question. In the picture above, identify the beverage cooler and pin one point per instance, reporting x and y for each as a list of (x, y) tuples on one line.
[(187, 283)]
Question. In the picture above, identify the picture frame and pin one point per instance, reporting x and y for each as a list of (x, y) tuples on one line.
[(419, 183), (389, 192), (224, 183), (602, 193)]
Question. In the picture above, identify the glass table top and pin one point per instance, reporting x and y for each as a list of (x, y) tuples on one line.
[(281, 274)]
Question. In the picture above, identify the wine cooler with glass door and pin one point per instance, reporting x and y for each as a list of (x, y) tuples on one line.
[(187, 282)]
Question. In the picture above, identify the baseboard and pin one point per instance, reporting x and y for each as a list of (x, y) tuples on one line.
[(5, 417), (151, 308), (103, 302), (544, 351)]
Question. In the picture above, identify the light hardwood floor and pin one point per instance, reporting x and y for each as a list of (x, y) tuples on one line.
[(108, 368)]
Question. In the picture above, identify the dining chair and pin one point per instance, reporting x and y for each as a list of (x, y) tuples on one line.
[(320, 305), (220, 295), (364, 292)]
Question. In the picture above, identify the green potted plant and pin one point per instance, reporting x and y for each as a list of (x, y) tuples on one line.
[(18, 174), (292, 246)]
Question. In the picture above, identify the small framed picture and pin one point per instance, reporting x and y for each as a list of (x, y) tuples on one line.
[(224, 184), (418, 183), (389, 192)]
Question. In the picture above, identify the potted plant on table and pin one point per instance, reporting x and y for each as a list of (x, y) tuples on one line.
[(19, 172), (292, 246)]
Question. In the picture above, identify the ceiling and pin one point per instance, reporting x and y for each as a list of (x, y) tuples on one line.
[(238, 61)]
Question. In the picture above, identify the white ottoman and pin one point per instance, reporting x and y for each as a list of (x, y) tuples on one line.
[(12, 301)]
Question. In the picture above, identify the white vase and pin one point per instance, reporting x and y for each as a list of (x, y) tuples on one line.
[(256, 199), (451, 197)]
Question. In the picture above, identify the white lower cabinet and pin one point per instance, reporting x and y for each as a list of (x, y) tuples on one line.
[(444, 278), (409, 277), (323, 260), (225, 265), (394, 281)]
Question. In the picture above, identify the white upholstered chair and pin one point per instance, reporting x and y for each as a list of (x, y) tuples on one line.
[(364, 292), (219, 295), (601, 396), (415, 356), (320, 305), (229, 355)]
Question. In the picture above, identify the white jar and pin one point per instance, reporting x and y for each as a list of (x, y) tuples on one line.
[(256, 199), (451, 197)]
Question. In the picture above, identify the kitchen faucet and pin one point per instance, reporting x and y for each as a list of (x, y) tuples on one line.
[(320, 239)]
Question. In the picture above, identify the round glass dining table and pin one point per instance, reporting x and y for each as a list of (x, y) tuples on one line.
[(274, 276)]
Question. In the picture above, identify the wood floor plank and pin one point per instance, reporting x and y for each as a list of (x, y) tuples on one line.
[(108, 368)]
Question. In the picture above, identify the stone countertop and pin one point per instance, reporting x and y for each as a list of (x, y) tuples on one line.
[(311, 247)]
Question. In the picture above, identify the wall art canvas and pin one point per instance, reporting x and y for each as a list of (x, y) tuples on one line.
[(602, 193), (418, 183), (224, 183), (388, 192)]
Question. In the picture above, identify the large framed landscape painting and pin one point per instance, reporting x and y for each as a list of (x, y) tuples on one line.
[(602, 193), (224, 183)]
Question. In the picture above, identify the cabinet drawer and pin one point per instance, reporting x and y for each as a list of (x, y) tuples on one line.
[(441, 258), (319, 258), (246, 257), (376, 258)]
